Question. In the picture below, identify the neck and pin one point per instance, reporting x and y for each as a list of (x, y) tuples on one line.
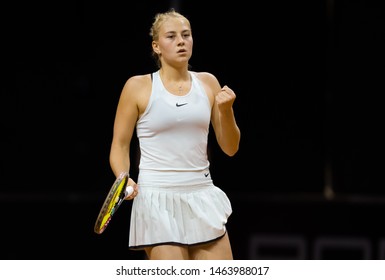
[(175, 75), (177, 83)]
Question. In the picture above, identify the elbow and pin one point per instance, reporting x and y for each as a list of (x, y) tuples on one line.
[(231, 146), (232, 151)]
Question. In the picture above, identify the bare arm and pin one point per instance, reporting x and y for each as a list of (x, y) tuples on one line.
[(225, 126), (222, 118), (125, 120)]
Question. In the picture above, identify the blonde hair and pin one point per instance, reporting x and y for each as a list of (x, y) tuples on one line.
[(159, 19)]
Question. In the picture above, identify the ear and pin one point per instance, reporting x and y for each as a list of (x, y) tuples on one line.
[(155, 47)]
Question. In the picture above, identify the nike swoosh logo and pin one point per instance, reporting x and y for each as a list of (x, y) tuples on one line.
[(207, 174), (181, 104)]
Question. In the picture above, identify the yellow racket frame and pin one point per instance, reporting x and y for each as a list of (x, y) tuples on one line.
[(112, 202)]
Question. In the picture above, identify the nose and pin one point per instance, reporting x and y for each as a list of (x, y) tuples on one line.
[(180, 40)]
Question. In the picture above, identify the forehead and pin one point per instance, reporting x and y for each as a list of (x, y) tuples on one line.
[(175, 25)]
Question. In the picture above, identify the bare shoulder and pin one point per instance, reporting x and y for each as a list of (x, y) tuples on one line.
[(209, 82), (207, 78), (137, 83), (136, 92)]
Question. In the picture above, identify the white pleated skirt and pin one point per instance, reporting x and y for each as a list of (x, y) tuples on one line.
[(183, 214)]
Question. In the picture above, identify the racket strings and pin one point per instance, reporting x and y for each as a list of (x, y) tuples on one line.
[(113, 200)]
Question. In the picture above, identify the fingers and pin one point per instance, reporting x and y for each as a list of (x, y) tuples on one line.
[(225, 97)]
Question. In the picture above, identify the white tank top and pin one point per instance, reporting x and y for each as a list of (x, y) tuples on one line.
[(173, 130)]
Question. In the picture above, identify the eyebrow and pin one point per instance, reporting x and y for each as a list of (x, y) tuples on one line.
[(174, 32)]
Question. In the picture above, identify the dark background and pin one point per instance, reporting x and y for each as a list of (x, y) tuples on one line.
[(307, 182)]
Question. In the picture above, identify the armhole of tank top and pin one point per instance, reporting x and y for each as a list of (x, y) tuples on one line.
[(199, 84), (149, 100)]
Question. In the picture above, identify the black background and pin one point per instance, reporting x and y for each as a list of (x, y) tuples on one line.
[(309, 77)]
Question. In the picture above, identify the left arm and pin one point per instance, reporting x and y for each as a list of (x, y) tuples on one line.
[(222, 116)]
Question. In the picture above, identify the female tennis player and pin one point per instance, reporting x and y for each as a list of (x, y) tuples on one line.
[(177, 210)]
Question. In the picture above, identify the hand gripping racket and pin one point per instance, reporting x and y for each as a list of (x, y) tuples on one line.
[(118, 192)]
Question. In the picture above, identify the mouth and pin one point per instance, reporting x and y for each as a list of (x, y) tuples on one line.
[(182, 51)]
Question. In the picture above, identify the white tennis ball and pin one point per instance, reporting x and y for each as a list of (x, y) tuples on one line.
[(129, 190)]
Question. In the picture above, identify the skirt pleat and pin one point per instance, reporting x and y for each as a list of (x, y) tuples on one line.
[(184, 215)]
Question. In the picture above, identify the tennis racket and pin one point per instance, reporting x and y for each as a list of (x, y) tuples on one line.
[(118, 192)]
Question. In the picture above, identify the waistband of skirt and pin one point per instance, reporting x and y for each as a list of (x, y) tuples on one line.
[(174, 178)]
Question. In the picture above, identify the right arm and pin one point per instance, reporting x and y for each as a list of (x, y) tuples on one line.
[(126, 115)]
